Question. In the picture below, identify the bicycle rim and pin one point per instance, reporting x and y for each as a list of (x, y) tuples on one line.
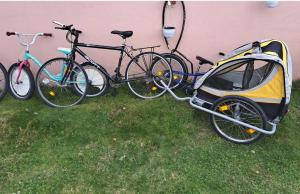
[(144, 73), (56, 92), (21, 87)]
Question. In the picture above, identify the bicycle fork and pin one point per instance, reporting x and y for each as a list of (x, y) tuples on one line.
[(24, 62), (67, 73)]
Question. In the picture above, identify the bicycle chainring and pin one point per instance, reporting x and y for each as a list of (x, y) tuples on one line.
[(115, 81)]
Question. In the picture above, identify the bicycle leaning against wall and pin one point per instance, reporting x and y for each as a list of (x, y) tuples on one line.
[(63, 80), (142, 75), (21, 80)]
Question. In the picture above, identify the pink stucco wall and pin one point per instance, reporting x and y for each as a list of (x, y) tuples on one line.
[(211, 26)]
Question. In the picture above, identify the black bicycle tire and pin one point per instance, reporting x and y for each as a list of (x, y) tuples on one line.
[(5, 89)]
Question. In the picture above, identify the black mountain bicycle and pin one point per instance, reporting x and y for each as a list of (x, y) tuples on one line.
[(142, 75)]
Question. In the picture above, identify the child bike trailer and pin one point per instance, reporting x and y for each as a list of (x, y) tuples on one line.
[(247, 92)]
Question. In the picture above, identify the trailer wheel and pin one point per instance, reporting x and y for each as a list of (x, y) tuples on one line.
[(242, 109)]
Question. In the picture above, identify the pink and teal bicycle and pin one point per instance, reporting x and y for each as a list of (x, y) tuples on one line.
[(62, 76), (21, 80)]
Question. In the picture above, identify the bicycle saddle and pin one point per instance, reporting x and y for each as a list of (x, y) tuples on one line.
[(203, 61), (123, 34)]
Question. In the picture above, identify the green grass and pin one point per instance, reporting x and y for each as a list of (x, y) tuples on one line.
[(127, 145)]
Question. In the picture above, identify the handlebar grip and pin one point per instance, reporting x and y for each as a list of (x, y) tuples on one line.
[(74, 31), (48, 34), (10, 33)]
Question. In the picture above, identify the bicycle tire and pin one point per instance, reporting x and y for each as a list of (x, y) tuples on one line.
[(5, 79), (259, 113), (91, 70), (181, 67), (41, 81), (151, 78), (18, 91)]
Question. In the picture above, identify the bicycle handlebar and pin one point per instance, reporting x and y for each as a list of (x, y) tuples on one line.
[(10, 33), (70, 30), (20, 35), (47, 34)]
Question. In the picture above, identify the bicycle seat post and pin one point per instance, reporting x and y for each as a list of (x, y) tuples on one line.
[(124, 42)]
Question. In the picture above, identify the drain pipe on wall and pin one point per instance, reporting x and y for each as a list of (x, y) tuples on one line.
[(169, 31)]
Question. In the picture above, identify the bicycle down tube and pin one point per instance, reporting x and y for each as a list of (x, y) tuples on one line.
[(116, 48)]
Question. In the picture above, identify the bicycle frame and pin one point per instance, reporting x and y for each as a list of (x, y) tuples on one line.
[(118, 78), (115, 48), (28, 56), (194, 75), (121, 49)]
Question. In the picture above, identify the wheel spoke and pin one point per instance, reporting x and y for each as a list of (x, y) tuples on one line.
[(58, 94), (240, 110), (144, 84)]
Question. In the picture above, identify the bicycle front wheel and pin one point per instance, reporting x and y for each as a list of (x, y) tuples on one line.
[(57, 82), (21, 82), (145, 72)]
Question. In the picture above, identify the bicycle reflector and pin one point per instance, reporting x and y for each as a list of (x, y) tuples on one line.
[(224, 108), (250, 131), (153, 88), (175, 77), (52, 93), (159, 73)]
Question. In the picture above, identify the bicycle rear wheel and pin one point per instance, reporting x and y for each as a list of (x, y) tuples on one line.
[(144, 73), (180, 70), (3, 81), (57, 81)]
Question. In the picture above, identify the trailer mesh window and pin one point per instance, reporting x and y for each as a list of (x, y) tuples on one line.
[(240, 76)]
